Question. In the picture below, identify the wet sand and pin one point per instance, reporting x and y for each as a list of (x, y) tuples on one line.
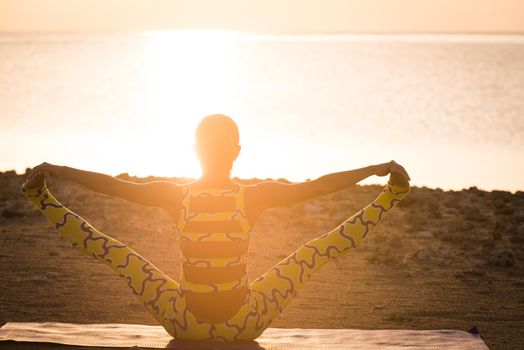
[(439, 260)]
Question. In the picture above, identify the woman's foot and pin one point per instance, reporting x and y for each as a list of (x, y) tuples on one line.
[(34, 180), (398, 179)]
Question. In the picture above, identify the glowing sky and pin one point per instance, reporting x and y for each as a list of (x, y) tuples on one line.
[(264, 16)]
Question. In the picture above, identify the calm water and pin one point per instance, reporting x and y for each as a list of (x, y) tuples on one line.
[(449, 108)]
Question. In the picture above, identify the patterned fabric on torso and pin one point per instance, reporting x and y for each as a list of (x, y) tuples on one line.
[(214, 238)]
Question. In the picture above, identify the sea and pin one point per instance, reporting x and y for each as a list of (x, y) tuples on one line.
[(448, 108)]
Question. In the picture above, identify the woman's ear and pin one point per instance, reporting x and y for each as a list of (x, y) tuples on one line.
[(238, 147)]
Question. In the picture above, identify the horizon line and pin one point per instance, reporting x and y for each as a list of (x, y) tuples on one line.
[(259, 33), (449, 37)]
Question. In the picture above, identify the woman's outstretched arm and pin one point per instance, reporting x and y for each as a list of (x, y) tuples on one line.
[(271, 194), (154, 194)]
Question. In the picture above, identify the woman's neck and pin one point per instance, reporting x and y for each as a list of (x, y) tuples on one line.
[(214, 180)]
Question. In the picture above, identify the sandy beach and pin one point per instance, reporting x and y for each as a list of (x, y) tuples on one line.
[(439, 260)]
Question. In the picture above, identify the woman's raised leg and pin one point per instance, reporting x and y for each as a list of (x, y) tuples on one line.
[(156, 291), (275, 289)]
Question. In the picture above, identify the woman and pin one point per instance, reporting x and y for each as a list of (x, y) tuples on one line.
[(214, 300)]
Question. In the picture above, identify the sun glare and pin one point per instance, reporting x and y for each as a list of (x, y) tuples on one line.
[(190, 75)]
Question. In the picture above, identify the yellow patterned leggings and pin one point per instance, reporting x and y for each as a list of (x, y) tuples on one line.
[(268, 295)]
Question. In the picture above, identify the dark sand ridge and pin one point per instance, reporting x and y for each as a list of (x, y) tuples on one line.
[(439, 260)]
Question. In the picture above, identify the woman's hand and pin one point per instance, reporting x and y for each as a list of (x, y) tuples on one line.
[(398, 175), (38, 174)]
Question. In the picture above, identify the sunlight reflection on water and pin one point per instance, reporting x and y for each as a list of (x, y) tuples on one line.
[(450, 110)]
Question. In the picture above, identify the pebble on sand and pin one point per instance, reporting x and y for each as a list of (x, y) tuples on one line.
[(39, 278), (424, 254), (425, 235), (504, 258)]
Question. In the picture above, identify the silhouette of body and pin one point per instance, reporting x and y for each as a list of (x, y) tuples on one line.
[(214, 299)]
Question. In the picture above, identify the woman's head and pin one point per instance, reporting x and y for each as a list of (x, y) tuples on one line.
[(217, 143)]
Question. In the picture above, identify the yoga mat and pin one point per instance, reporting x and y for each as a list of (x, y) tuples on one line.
[(130, 335)]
